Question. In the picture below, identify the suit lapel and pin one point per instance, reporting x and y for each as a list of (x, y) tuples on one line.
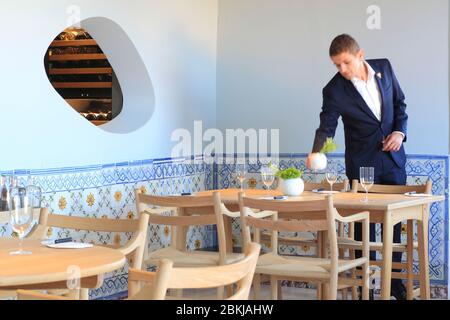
[(380, 87), (351, 90)]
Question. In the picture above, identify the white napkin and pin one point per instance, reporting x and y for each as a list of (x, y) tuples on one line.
[(418, 194), (67, 245), (328, 191), (272, 198), (265, 198)]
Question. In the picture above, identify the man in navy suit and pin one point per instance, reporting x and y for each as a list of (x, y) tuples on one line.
[(368, 97)]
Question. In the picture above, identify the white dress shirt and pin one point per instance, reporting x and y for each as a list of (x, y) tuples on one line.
[(370, 92)]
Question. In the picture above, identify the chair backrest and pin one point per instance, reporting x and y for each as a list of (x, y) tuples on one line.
[(167, 277), (134, 248), (271, 208), (309, 186), (190, 211), (382, 188)]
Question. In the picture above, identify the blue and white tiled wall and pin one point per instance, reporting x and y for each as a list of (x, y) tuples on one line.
[(419, 169), (108, 191)]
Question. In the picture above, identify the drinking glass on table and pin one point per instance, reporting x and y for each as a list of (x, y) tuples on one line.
[(267, 176), (366, 178), (21, 214), (331, 173), (240, 173)]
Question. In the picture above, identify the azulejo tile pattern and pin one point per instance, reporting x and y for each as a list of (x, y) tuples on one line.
[(108, 191), (419, 168)]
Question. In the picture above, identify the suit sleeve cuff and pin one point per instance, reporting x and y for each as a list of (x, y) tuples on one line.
[(401, 134)]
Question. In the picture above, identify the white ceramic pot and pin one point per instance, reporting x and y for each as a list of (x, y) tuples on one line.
[(292, 187), (318, 161)]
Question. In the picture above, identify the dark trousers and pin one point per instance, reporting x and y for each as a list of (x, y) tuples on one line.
[(390, 175)]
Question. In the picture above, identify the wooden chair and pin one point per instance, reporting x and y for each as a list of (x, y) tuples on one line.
[(308, 216), (167, 277), (348, 242), (133, 249), (189, 211), (308, 242)]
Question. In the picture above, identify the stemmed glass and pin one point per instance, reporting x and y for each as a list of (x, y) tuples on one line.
[(267, 176), (366, 178), (331, 174), (21, 214), (5, 183), (240, 173), (34, 192)]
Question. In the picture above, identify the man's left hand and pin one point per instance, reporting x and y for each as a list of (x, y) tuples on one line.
[(393, 142)]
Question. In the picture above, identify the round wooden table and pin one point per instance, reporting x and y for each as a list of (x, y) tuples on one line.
[(54, 268)]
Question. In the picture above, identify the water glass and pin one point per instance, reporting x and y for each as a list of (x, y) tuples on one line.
[(21, 214), (366, 178), (331, 174), (267, 176), (240, 173)]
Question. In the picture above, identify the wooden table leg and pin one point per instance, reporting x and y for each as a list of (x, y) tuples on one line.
[(386, 271), (422, 234)]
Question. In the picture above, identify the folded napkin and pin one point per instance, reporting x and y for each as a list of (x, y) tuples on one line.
[(273, 198), (327, 191), (418, 194), (67, 245)]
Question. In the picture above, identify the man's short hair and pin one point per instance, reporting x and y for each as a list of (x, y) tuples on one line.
[(343, 43)]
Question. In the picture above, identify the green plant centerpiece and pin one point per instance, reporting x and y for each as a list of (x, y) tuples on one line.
[(290, 181), (318, 160), (289, 173)]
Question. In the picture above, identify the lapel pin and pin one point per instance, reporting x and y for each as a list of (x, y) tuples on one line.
[(379, 75)]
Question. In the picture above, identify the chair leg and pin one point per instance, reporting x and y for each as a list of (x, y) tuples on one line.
[(84, 294), (220, 293), (256, 286), (409, 260), (332, 288), (279, 291), (354, 288), (273, 288), (365, 280), (319, 291), (344, 294), (229, 290)]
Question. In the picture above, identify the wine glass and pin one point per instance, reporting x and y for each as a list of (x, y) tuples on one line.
[(331, 174), (21, 214), (34, 192), (240, 174), (267, 176), (366, 178), (5, 183)]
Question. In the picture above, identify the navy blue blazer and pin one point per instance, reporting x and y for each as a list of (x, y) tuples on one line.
[(363, 132)]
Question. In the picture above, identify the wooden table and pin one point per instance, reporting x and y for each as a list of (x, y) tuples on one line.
[(388, 209), (48, 268)]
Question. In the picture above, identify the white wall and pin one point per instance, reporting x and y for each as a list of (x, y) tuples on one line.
[(273, 63), (177, 42)]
